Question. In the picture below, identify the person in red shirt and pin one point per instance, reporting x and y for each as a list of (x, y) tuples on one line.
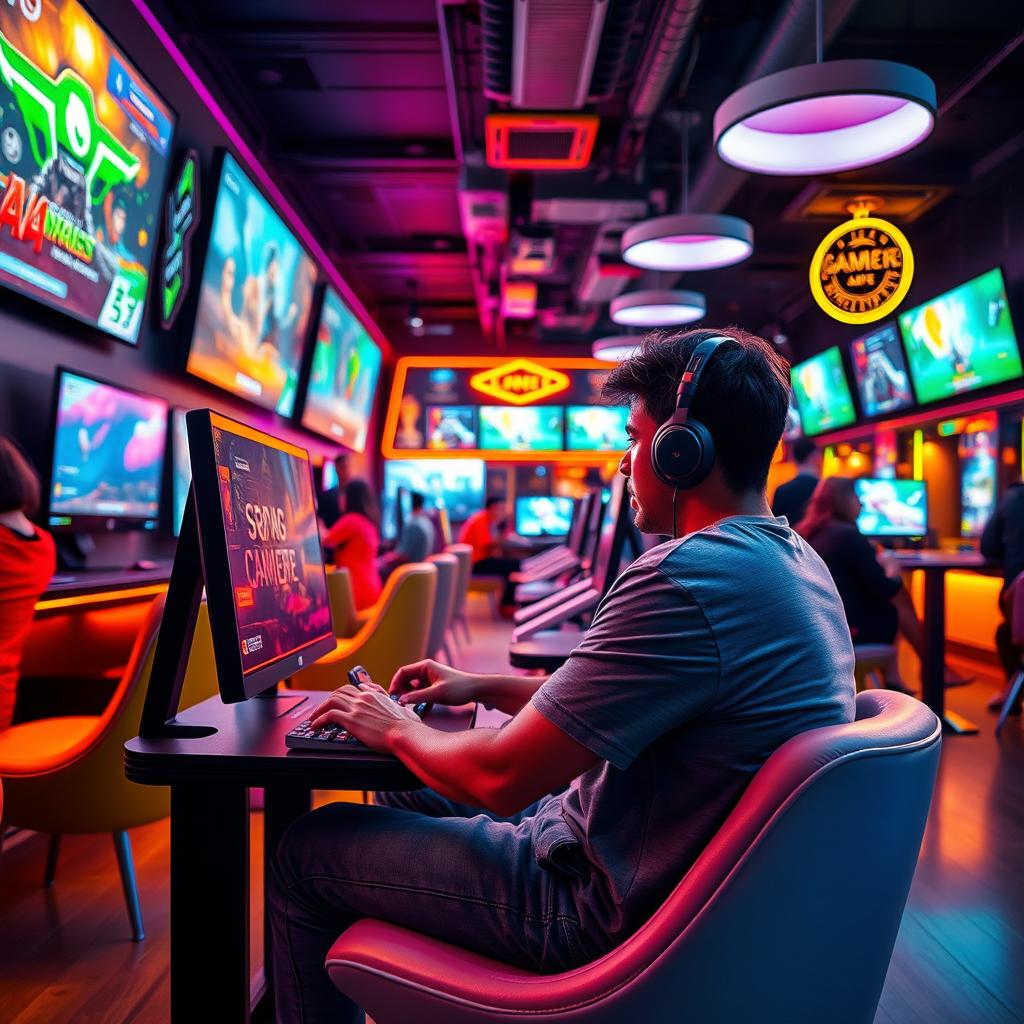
[(483, 532), (355, 539), (28, 559)]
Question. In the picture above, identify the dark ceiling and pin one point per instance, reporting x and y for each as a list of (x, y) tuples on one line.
[(372, 114)]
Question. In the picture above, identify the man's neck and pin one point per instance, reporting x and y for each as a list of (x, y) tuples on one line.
[(806, 469), (696, 514), (16, 521)]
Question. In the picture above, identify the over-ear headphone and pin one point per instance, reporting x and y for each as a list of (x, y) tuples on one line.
[(683, 450)]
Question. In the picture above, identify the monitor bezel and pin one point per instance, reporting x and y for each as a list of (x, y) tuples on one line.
[(235, 684), (895, 536), (82, 523), (521, 501)]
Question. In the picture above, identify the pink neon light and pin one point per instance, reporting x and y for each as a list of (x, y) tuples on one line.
[(825, 114), (258, 171)]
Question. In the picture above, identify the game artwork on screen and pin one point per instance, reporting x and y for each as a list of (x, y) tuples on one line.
[(881, 372), (108, 452), (822, 394), (599, 428), (255, 300), (83, 159), (274, 553)]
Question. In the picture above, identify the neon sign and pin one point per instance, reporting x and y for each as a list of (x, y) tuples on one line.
[(519, 382)]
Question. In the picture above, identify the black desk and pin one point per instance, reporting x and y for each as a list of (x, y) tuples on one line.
[(78, 582), (546, 650), (209, 779)]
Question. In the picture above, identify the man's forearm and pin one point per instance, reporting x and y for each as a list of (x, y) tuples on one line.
[(508, 693)]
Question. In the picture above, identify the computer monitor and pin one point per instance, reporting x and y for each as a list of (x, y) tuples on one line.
[(597, 428), (978, 472), (508, 428), (822, 393), (454, 484), (617, 530), (543, 516), (108, 456), (892, 508), (266, 588)]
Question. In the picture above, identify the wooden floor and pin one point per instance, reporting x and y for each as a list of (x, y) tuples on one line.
[(65, 953)]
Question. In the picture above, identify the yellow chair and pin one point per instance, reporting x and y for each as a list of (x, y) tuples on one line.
[(66, 775), (464, 555), (395, 634), (343, 604)]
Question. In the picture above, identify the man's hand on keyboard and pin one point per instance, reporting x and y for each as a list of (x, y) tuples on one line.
[(368, 713)]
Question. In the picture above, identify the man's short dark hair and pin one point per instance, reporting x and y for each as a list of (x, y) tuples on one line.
[(803, 449), (742, 399), (418, 501), (493, 500), (19, 484)]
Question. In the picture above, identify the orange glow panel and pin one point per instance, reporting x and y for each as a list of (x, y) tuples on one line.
[(536, 142)]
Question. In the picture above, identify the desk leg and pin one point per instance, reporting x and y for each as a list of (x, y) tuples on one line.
[(210, 904), (281, 806), (933, 671)]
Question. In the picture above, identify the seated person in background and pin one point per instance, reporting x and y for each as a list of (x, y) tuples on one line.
[(548, 842), (791, 498), (876, 603), (417, 539), (484, 532), (28, 559), (1003, 539), (331, 507), (355, 540)]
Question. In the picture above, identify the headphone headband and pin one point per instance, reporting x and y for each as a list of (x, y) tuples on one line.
[(698, 361)]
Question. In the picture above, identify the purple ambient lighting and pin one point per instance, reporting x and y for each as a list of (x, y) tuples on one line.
[(688, 241), (257, 170), (657, 308), (823, 118)]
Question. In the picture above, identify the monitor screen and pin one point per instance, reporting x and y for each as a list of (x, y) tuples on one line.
[(450, 427), (343, 380), (181, 468), (263, 565), (83, 164), (506, 428), (330, 477), (543, 517), (108, 456), (255, 298), (597, 428), (977, 452), (892, 508), (962, 340), (822, 393), (880, 372), (793, 428), (456, 485)]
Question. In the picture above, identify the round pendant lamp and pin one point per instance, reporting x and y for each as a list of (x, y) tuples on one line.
[(616, 347), (826, 117), (658, 308)]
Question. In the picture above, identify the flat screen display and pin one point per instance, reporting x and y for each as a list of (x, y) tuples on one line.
[(108, 455), (84, 147), (962, 340), (343, 380), (822, 393), (977, 452), (258, 519), (517, 429), (456, 485), (881, 372), (255, 298), (543, 516), (793, 428), (597, 428), (892, 508), (451, 427), (181, 468)]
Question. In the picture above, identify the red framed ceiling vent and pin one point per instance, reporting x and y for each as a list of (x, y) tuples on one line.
[(538, 142)]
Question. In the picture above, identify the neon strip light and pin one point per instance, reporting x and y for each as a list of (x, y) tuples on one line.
[(918, 454), (258, 171), (100, 597)]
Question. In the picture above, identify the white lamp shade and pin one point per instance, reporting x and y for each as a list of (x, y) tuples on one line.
[(688, 241), (616, 347), (658, 308)]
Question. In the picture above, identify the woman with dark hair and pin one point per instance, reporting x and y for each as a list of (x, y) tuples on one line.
[(877, 604), (355, 538), (28, 559)]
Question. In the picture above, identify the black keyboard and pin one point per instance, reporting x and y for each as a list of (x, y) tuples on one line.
[(333, 737)]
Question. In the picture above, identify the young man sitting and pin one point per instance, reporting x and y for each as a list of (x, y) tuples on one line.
[(550, 841)]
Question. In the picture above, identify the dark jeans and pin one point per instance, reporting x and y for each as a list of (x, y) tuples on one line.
[(499, 567), (1010, 654), (422, 862)]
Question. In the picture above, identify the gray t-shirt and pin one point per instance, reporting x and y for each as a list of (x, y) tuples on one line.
[(707, 654), (417, 540)]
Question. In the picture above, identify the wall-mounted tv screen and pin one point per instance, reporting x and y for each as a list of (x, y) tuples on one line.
[(255, 298), (977, 452), (543, 516), (181, 468), (793, 428), (450, 427), (597, 428), (962, 340), (456, 485), (84, 146), (892, 508), (880, 372), (343, 380), (108, 456), (822, 393), (506, 428)]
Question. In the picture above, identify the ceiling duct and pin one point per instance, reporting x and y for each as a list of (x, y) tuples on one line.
[(605, 275), (564, 200)]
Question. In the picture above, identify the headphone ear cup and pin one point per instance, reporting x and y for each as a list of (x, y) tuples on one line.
[(682, 454)]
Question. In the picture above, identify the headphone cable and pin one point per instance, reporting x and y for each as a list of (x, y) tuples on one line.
[(675, 494)]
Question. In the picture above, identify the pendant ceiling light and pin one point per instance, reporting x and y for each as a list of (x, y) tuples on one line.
[(658, 308), (616, 347), (688, 241), (825, 117)]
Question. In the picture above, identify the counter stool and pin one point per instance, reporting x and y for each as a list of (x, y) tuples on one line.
[(871, 661)]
